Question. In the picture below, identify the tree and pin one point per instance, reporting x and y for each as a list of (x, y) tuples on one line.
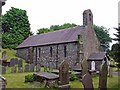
[(55, 27), (116, 47), (103, 35), (15, 27)]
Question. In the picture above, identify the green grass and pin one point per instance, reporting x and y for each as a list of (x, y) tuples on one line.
[(17, 81), (10, 54)]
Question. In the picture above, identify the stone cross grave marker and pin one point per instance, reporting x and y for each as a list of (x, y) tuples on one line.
[(64, 75), (20, 63), (103, 76), (31, 67), (38, 67), (84, 67), (27, 68), (13, 69), (87, 81), (20, 69)]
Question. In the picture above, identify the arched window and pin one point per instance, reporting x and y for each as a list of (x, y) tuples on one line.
[(93, 65)]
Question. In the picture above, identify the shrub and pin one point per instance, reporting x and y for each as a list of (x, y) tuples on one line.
[(112, 65), (73, 77), (29, 78)]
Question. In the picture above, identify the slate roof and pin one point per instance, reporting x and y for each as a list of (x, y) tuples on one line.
[(97, 56), (60, 36)]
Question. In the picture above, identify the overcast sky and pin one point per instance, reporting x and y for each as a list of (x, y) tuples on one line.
[(44, 13)]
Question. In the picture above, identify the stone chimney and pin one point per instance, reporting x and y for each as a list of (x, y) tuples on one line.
[(88, 18)]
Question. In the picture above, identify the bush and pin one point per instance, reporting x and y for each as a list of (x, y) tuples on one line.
[(29, 78), (73, 77), (112, 65)]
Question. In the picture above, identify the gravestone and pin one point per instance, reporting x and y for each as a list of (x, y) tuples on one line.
[(31, 67), (103, 76), (3, 56), (3, 83), (64, 75), (51, 66), (20, 63), (93, 65), (13, 69), (15, 60), (110, 73), (12, 62), (45, 68), (27, 68), (2, 69), (20, 69), (84, 67), (38, 68), (87, 81)]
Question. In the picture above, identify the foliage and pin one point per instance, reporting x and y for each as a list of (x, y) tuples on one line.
[(116, 47), (15, 27), (103, 35), (73, 77), (55, 27), (29, 78), (113, 52)]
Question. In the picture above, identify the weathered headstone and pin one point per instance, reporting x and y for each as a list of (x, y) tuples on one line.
[(15, 60), (2, 69), (13, 69), (103, 76), (31, 67), (38, 67), (110, 72), (12, 62), (20, 69), (27, 68), (45, 69), (3, 56), (3, 83), (87, 81), (84, 67), (64, 75), (20, 63), (93, 65)]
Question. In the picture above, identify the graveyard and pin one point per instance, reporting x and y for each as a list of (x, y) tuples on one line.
[(16, 79), (69, 57)]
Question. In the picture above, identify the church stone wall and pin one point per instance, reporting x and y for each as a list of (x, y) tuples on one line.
[(45, 58)]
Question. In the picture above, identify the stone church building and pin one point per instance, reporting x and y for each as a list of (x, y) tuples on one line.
[(71, 44)]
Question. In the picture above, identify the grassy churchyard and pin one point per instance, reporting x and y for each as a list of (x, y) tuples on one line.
[(17, 80)]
